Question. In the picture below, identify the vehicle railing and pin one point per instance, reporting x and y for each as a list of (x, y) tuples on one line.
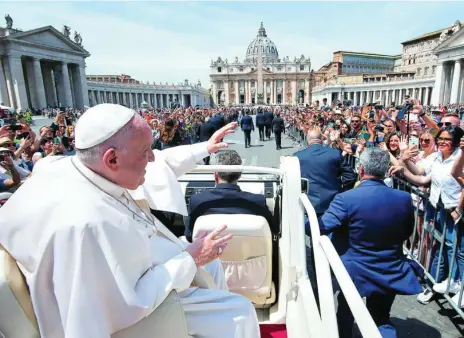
[(432, 239), (326, 257), (236, 168), (322, 270)]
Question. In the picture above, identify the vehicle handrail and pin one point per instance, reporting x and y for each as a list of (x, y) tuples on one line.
[(235, 168), (359, 310), (322, 269)]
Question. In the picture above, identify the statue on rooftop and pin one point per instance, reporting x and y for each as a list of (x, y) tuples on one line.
[(66, 31), (77, 38), (9, 21)]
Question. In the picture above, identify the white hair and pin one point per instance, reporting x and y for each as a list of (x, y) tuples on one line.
[(37, 156), (118, 141)]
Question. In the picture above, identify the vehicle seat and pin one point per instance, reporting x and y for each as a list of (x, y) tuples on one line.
[(247, 259), (17, 318)]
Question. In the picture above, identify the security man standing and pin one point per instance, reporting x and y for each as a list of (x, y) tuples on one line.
[(268, 117), (260, 123), (278, 127), (247, 126)]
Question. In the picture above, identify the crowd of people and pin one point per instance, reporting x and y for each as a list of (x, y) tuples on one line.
[(424, 147)]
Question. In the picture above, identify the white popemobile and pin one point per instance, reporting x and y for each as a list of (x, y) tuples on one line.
[(276, 283)]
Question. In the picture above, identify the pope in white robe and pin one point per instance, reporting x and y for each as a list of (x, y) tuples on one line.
[(95, 260)]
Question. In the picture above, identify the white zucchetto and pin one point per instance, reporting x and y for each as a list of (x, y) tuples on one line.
[(99, 123)]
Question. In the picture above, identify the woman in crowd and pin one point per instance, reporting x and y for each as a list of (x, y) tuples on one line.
[(170, 136), (422, 156), (445, 194)]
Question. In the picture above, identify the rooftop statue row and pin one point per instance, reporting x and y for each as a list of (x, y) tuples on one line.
[(67, 34), (220, 62)]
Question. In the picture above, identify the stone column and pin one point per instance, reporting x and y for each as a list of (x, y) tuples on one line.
[(9, 81), (39, 84), (19, 85), (226, 93), (66, 100), (284, 91), (455, 84), (3, 89), (437, 92), (294, 93), (80, 86), (237, 93)]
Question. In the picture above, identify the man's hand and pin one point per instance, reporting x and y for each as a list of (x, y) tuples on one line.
[(8, 162), (206, 247), (395, 170), (214, 143)]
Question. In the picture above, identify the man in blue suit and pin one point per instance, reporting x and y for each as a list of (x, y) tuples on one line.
[(369, 225), (226, 197), (326, 171), (218, 121), (260, 123), (268, 117), (247, 126)]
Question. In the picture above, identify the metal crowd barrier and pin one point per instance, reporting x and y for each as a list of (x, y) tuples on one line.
[(298, 137), (435, 243)]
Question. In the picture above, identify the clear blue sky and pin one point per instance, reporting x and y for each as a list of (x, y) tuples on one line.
[(173, 41)]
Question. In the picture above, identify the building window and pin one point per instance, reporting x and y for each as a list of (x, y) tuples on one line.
[(289, 69), (302, 83), (418, 71), (252, 69), (268, 68), (231, 70), (240, 69), (426, 70), (219, 69), (301, 67), (434, 68), (279, 69)]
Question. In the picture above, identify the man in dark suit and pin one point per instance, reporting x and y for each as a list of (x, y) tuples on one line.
[(260, 123), (204, 133), (226, 197), (268, 117), (369, 225), (325, 170), (218, 121), (247, 126), (278, 126)]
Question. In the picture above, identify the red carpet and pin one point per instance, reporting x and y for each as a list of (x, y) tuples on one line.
[(273, 331)]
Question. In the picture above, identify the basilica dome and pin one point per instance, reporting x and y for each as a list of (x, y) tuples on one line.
[(268, 48)]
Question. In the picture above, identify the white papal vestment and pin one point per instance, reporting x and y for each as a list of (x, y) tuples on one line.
[(95, 264)]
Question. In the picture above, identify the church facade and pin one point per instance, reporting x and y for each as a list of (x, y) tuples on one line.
[(262, 77), (429, 69), (45, 67)]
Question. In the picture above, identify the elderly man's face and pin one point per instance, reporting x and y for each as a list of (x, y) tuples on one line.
[(135, 159)]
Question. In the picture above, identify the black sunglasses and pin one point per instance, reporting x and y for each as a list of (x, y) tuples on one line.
[(446, 124)]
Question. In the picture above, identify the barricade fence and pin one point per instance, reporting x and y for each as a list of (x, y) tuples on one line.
[(435, 245)]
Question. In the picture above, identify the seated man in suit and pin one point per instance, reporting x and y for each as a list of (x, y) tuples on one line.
[(226, 197), (369, 225), (325, 170)]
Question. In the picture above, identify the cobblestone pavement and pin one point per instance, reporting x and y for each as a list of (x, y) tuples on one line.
[(435, 320)]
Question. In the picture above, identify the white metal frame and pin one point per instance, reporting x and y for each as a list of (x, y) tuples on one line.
[(301, 313)]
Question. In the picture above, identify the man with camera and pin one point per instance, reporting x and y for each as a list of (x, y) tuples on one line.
[(9, 176)]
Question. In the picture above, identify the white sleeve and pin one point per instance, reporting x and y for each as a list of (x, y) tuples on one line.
[(94, 294), (183, 159)]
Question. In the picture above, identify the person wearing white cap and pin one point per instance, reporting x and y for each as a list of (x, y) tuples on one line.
[(95, 259)]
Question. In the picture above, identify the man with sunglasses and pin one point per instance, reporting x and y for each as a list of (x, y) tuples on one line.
[(450, 119)]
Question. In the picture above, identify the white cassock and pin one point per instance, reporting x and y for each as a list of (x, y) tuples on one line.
[(95, 263)]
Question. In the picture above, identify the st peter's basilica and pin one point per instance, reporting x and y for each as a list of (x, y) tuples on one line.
[(262, 77)]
